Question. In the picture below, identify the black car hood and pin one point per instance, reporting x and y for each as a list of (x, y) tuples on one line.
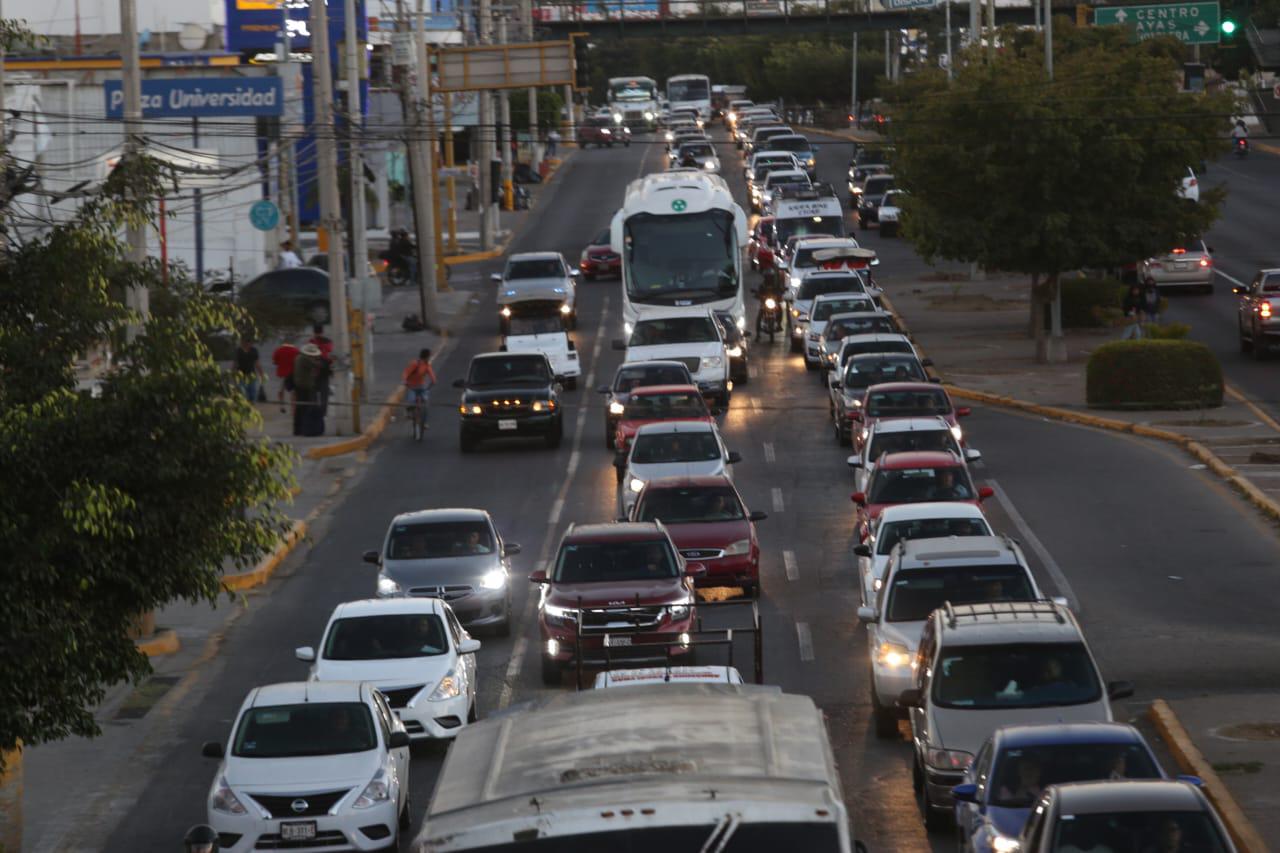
[(489, 394)]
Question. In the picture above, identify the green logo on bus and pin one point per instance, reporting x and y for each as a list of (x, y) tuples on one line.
[(679, 205)]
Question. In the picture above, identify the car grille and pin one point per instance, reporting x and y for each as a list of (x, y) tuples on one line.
[(328, 838), (400, 696), (448, 593), (604, 619), (282, 806), (634, 115), (692, 363), (508, 407), (702, 553), (602, 256)]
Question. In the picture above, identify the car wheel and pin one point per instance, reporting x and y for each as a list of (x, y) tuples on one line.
[(571, 383), (608, 436), (552, 673), (934, 820), (751, 590), (796, 345), (627, 144), (841, 438), (472, 716), (885, 719), (406, 819)]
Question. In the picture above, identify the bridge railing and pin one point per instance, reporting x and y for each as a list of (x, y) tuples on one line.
[(622, 11)]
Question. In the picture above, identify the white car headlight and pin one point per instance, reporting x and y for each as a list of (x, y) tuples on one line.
[(627, 327), (224, 799), (947, 759), (737, 549), (894, 655), (450, 687), (616, 408), (669, 136), (636, 485), (679, 612), (648, 115), (1005, 844), (506, 311), (742, 322), (387, 587), (377, 791), (711, 361), (957, 432), (565, 308), (494, 579), (734, 352), (709, 164), (770, 303), (555, 612), (795, 281)]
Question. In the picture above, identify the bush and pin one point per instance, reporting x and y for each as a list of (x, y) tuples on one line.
[(1153, 374), (1091, 302), (1168, 331)]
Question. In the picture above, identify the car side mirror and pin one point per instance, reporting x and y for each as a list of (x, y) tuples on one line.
[(571, 345), (985, 492), (539, 576), (497, 276), (733, 458), (859, 847), (305, 653), (211, 749), (1212, 250), (618, 344), (371, 557), (866, 613), (695, 570), (862, 550), (860, 498), (834, 381), (459, 383), (910, 698), (758, 515), (1190, 780), (1119, 689), (399, 740), (510, 549), (926, 362), (963, 412), (1060, 600), (966, 793), (574, 273), (936, 380), (853, 462), (971, 455), (469, 646), (602, 389)]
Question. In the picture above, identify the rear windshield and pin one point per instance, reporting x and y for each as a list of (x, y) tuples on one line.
[(915, 593), (544, 268), (916, 485), (865, 372), (877, 184), (386, 637), (1021, 774), (776, 179), (607, 562), (879, 324), (1132, 832), (789, 143), (815, 286), (830, 307), (692, 505), (666, 406), (634, 377), (674, 330), (864, 347), (800, 226), (438, 540), (897, 442), (315, 728), (700, 150), (899, 404), (668, 447), (1017, 675), (763, 169), (870, 155), (890, 533), (514, 370)]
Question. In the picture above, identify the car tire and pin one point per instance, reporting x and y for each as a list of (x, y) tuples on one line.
[(751, 591), (472, 715), (794, 345), (552, 672), (588, 276), (406, 819), (571, 383), (885, 720), (934, 820), (888, 230), (841, 439), (609, 435)]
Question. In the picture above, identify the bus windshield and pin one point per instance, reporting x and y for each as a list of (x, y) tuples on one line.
[(633, 90), (689, 89), (691, 258)]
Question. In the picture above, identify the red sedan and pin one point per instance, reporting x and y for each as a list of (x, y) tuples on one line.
[(915, 477), (652, 403), (707, 520), (760, 247), (599, 259), (907, 400)]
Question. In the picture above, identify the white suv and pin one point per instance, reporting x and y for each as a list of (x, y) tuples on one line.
[(981, 666), (690, 336)]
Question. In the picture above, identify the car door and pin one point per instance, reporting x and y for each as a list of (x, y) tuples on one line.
[(466, 662), (926, 659), (969, 815), (388, 722)]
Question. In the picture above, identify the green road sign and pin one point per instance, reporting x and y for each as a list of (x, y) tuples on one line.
[(1193, 23)]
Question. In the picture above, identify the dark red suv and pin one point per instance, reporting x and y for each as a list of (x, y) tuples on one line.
[(626, 581)]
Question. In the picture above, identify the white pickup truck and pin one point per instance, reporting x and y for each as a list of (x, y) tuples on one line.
[(547, 336)]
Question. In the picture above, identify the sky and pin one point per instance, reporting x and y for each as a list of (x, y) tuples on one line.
[(57, 17)]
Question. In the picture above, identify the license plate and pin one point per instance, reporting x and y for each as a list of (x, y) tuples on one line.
[(298, 831), (1181, 266), (614, 641), (507, 423)]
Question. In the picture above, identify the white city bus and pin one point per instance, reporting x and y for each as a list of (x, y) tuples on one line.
[(690, 91), (681, 236), (634, 101)]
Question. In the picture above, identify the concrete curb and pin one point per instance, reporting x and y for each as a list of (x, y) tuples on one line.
[(364, 439), (164, 642), (1190, 760), (261, 573), (848, 135), (501, 249)]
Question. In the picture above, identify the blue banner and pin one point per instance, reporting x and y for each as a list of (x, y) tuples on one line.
[(201, 97), (255, 24)]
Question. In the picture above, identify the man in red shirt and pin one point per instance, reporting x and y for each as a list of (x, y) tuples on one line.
[(283, 358)]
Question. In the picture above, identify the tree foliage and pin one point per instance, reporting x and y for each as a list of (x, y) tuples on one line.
[(115, 503)]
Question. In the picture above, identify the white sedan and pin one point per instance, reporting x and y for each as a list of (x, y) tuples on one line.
[(413, 650), (672, 449), (912, 521)]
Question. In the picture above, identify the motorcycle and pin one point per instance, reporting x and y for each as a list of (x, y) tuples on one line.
[(1242, 146), (398, 268), (770, 318)]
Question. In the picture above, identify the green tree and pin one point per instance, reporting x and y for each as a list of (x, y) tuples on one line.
[(115, 503), (549, 104), (1021, 173)]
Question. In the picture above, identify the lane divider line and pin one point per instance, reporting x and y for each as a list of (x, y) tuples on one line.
[(805, 637), (1050, 564), (778, 505), (769, 455), (792, 567)]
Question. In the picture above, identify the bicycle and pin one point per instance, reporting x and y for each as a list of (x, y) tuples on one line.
[(418, 412)]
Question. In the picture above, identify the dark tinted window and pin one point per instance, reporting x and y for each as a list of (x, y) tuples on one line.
[(817, 285), (864, 372), (1022, 773), (915, 485), (615, 561), (789, 143), (878, 184), (665, 447), (827, 226), (684, 506), (915, 593), (881, 324), (666, 406), (865, 347), (674, 330), (1138, 832), (1022, 675), (830, 307), (543, 268), (897, 404), (434, 540), (505, 371), (634, 377), (890, 533), (400, 635), (899, 442), (316, 728)]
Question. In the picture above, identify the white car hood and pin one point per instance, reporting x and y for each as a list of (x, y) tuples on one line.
[(667, 352), (547, 342), (397, 672), (677, 469), (302, 775), (957, 728)]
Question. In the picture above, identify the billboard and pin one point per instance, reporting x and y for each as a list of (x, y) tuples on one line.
[(255, 24), (200, 97)]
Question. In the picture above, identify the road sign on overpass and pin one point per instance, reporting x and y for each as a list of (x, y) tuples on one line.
[(1193, 23), (908, 4)]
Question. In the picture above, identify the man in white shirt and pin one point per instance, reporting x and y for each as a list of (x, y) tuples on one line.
[(288, 257)]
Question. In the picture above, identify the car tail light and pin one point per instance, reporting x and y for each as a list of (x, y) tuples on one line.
[(1204, 262), (1264, 310), (1179, 251)]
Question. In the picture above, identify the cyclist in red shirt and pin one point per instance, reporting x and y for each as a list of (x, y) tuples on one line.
[(418, 379)]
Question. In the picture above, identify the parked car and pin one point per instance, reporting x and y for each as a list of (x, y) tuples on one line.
[(289, 294)]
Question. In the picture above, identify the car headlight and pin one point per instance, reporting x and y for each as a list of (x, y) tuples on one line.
[(734, 352), (893, 655), (565, 308), (606, 132), (947, 759), (636, 484), (224, 799), (544, 405), (957, 432), (810, 162), (1005, 844), (770, 303), (742, 322), (648, 115), (616, 408), (794, 280), (617, 118), (711, 361), (450, 687), (627, 328), (377, 791), (494, 579), (708, 164), (737, 549), (555, 613), (669, 136), (387, 587), (506, 311), (679, 612)]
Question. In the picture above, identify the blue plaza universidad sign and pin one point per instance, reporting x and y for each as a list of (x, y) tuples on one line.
[(200, 97)]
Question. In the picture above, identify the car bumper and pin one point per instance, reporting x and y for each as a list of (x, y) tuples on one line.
[(593, 267), (889, 683), (1193, 276), (429, 720), (483, 426), (811, 352), (714, 387), (729, 571), (650, 643), (350, 830), (868, 214)]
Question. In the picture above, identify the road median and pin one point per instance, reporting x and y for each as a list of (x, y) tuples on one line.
[(262, 572)]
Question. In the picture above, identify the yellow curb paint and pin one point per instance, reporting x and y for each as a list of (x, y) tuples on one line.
[(261, 573), (163, 642), (364, 439), (1191, 760), (1252, 406)]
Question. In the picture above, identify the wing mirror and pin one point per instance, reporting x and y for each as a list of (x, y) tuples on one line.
[(862, 550), (305, 653), (510, 549), (758, 515), (371, 557), (539, 576), (695, 570), (866, 614), (860, 498), (497, 276), (459, 383), (602, 389), (398, 740), (963, 412), (910, 698), (985, 492), (1119, 689), (619, 344), (926, 362), (733, 458), (967, 793), (211, 749), (853, 462), (574, 273), (469, 646), (971, 455)]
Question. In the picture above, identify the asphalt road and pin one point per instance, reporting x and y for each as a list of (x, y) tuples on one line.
[(1173, 578)]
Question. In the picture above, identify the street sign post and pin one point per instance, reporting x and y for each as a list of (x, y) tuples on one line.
[(264, 215), (909, 4), (1192, 23)]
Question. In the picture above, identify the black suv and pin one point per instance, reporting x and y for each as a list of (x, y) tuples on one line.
[(509, 395)]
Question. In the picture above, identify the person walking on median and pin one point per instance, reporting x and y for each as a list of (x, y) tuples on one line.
[(310, 374), (418, 378), (1151, 303), (553, 140), (1132, 307), (249, 370), (283, 358)]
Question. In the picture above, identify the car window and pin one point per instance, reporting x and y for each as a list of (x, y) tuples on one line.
[(534, 325), (1271, 284), (864, 372), (601, 239), (817, 285), (916, 593), (313, 728), (607, 562), (897, 442), (539, 268), (1016, 675), (866, 347), (830, 307), (1138, 831), (690, 505), (385, 637), (668, 447), (908, 403), (511, 370), (383, 715), (455, 627), (890, 533), (877, 325), (674, 330), (1021, 774), (915, 485), (634, 377), (878, 184), (439, 540), (782, 177), (666, 406), (789, 143)]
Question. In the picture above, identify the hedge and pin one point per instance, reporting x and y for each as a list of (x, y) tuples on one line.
[(1153, 374), (1090, 302)]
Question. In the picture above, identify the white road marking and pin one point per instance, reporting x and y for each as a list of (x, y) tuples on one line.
[(778, 505), (769, 455), (806, 641), (753, 371), (513, 668), (793, 568), (1050, 564), (1230, 278), (755, 404)]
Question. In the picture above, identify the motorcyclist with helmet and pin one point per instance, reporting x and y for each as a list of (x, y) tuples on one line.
[(401, 256), (770, 288), (200, 839)]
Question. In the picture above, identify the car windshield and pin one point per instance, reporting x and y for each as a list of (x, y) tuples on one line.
[(789, 143), (1017, 675), (870, 156), (915, 593), (665, 407), (732, 334), (866, 347), (865, 372), (916, 485), (815, 286), (690, 506), (700, 149), (696, 89), (1021, 774), (683, 258), (535, 268), (1138, 832), (400, 635), (674, 330), (508, 371), (880, 324), (780, 177), (826, 226), (439, 540), (898, 404), (831, 307), (925, 439), (878, 185), (601, 239), (890, 533), (634, 90), (314, 728), (892, 198), (606, 562), (599, 121), (534, 325), (634, 377), (763, 169), (666, 447)]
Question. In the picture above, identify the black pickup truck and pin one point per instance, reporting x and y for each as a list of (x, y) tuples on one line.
[(509, 395)]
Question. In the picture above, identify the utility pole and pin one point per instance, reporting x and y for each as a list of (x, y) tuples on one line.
[(991, 30), (888, 58), (330, 204), (975, 22), (853, 89), (1048, 37), (424, 191), (359, 226), (950, 58), (526, 29), (137, 298), (4, 147), (483, 143), (507, 136), (436, 256)]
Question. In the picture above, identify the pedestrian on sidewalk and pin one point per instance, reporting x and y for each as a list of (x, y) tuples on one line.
[(310, 375), (288, 257), (553, 140), (1132, 307), (283, 358), (249, 371), (325, 344), (1151, 303)]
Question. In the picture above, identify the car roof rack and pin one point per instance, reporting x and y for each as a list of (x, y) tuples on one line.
[(1010, 610)]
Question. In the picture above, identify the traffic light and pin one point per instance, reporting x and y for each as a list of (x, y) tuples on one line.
[(1228, 27), (581, 61)]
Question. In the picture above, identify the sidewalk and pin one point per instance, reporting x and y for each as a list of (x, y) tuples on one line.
[(76, 789)]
